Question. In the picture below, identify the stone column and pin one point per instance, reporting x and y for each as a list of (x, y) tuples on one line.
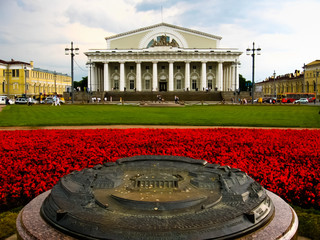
[(171, 81), (122, 77), (94, 78), (89, 78), (204, 76), (187, 76), (220, 76), (99, 71), (106, 77), (224, 79), (233, 78), (155, 76), (138, 76), (229, 87)]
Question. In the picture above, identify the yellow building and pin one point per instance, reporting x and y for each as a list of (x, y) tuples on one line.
[(277, 85), (18, 78), (312, 81), (306, 82)]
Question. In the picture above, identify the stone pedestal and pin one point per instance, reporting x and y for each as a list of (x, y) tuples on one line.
[(283, 226)]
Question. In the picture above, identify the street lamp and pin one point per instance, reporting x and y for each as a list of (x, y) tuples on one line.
[(55, 81), (274, 84), (304, 78), (76, 52), (25, 81), (252, 52)]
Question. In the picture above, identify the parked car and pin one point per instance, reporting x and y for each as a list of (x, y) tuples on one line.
[(301, 100), (269, 100), (49, 100), (21, 100), (34, 101)]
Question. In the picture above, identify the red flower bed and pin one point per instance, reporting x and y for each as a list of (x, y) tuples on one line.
[(283, 161)]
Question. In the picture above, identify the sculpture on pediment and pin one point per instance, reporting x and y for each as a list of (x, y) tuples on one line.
[(164, 41)]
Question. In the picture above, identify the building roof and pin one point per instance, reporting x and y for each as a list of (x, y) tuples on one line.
[(316, 62), (49, 71), (14, 62), (166, 25)]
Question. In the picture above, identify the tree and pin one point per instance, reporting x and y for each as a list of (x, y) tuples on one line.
[(244, 85), (82, 84)]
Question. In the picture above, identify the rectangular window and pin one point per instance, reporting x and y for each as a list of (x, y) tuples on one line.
[(131, 84), (131, 68), (178, 67), (147, 67), (210, 67), (13, 73), (194, 67), (147, 84), (163, 67), (178, 83)]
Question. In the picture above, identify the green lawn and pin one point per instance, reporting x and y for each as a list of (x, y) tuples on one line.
[(211, 115)]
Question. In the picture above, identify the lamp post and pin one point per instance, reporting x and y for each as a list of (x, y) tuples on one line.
[(252, 52), (55, 81), (274, 84), (25, 81), (304, 78), (76, 52)]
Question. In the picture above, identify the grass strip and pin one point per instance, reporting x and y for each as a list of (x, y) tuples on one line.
[(287, 116)]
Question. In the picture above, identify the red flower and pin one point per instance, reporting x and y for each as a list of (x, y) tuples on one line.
[(283, 161)]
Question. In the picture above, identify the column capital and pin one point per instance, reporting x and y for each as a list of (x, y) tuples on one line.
[(105, 62), (155, 62), (122, 62), (187, 61), (204, 61), (138, 62)]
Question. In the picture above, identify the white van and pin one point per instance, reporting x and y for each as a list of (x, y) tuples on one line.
[(3, 99)]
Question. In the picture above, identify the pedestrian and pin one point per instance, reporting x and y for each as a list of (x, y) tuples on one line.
[(57, 101), (54, 100), (29, 101)]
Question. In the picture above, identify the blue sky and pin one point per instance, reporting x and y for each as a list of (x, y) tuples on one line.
[(39, 30)]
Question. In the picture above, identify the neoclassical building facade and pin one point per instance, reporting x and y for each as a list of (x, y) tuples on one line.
[(20, 78), (306, 82), (163, 57)]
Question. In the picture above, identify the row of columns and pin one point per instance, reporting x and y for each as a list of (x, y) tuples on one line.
[(227, 79)]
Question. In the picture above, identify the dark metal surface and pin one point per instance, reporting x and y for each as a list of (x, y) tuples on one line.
[(157, 197)]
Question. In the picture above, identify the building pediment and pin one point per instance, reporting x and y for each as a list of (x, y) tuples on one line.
[(162, 34)]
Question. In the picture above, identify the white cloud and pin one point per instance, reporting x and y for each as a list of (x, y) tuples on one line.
[(41, 29)]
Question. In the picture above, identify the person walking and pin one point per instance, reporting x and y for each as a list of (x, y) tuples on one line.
[(58, 101), (29, 101)]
